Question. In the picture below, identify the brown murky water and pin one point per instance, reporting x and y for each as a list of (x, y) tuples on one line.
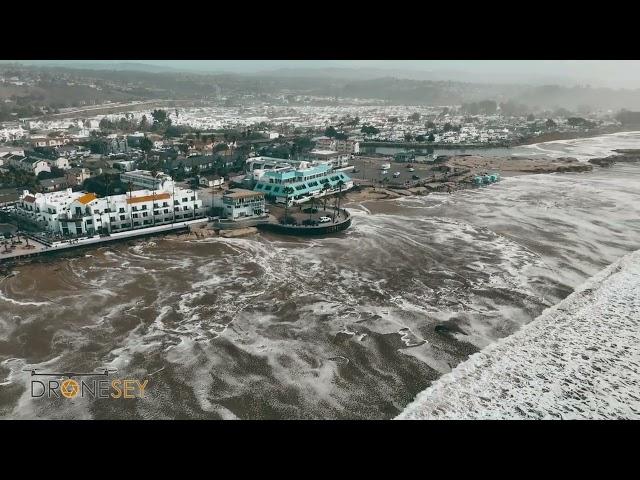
[(350, 326)]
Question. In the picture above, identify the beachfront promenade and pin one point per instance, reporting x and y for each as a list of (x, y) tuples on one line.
[(38, 247)]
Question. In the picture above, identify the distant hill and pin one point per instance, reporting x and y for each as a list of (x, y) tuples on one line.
[(60, 87)]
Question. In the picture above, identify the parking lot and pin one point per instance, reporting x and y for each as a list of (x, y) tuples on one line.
[(368, 169)]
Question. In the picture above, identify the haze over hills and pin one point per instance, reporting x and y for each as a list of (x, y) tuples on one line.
[(604, 73), (69, 82)]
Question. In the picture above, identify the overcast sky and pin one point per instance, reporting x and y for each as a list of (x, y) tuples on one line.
[(610, 73)]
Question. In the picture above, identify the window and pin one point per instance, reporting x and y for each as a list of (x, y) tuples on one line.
[(122, 217), (184, 199), (121, 210), (193, 198), (112, 219), (144, 207), (135, 215), (145, 214)]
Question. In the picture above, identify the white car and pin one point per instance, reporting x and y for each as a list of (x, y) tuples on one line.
[(384, 172), (412, 169), (396, 175), (324, 219)]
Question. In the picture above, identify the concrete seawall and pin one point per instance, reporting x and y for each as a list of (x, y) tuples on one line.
[(40, 247)]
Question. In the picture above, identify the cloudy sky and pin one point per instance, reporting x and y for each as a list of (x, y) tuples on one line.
[(610, 73)]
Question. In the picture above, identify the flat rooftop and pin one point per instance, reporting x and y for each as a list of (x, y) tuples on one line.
[(242, 193)]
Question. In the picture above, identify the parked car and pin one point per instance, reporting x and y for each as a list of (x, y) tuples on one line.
[(396, 175), (412, 169), (324, 219), (415, 177)]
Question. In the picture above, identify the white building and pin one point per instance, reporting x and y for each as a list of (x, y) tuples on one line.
[(80, 213), (34, 165), (143, 179), (240, 204), (211, 181), (333, 157), (61, 162)]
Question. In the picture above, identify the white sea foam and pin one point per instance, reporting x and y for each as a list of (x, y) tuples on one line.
[(579, 359), (582, 148)]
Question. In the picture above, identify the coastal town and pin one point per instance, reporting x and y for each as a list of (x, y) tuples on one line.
[(75, 181), (86, 172)]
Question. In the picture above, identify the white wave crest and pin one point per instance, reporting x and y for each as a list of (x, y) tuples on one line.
[(579, 359)]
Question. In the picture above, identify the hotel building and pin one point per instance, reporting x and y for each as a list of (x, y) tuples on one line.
[(78, 213)]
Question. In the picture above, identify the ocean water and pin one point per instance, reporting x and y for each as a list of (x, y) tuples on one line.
[(349, 326)]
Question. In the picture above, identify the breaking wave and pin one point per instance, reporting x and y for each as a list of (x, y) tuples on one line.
[(578, 359)]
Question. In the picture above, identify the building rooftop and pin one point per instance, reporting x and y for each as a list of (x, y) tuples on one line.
[(86, 198), (242, 193), (324, 152), (149, 198)]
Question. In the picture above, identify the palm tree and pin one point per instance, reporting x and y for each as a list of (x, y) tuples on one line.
[(154, 174), (312, 202), (173, 197), (340, 184), (325, 188), (287, 191)]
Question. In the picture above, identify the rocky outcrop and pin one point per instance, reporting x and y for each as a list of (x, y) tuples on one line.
[(238, 232), (624, 156)]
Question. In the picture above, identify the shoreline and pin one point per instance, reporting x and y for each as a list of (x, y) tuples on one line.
[(457, 173), (544, 138), (556, 136)]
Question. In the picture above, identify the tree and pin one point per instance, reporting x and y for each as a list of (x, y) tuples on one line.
[(431, 138), (154, 175), (312, 202), (430, 125), (369, 130), (161, 119), (325, 188), (195, 171), (184, 148), (414, 117), (330, 132), (550, 123), (339, 184), (287, 191), (530, 117), (408, 137), (146, 145)]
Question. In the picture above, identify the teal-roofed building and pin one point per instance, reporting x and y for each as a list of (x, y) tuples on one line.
[(306, 183)]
